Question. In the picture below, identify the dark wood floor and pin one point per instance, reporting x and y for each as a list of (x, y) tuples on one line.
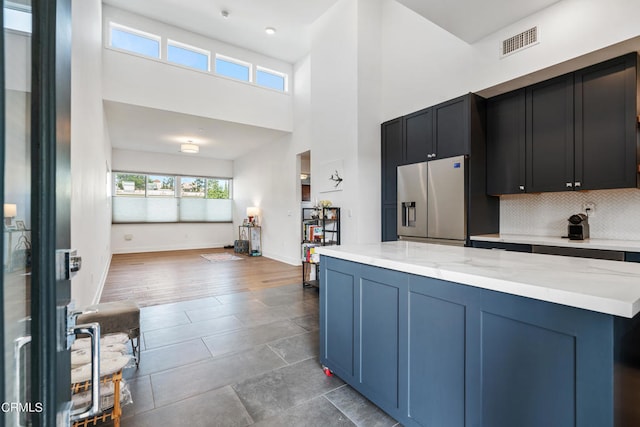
[(161, 277)]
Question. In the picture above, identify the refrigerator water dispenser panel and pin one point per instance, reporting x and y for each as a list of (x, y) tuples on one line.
[(408, 214)]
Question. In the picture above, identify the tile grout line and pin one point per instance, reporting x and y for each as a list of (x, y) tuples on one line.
[(334, 405)]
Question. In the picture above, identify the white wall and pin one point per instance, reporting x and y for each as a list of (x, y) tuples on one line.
[(157, 84), (163, 237), (90, 155), (268, 178), (334, 107)]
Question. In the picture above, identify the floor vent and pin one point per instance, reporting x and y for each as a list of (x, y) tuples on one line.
[(520, 41)]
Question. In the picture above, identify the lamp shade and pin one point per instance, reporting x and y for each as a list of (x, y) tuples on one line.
[(189, 148), (253, 211), (10, 210)]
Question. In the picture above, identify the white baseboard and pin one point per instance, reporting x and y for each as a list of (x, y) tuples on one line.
[(141, 249), (286, 260), (103, 280)]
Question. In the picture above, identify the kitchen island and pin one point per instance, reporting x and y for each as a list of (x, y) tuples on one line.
[(448, 336)]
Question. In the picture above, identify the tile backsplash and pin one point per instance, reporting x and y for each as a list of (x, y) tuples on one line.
[(617, 213)]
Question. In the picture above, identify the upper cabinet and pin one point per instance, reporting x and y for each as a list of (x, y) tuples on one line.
[(549, 135), (418, 128), (579, 132), (438, 132), (606, 125), (506, 143), (451, 128)]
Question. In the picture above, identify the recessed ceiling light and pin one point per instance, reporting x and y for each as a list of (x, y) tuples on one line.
[(189, 148), (270, 30)]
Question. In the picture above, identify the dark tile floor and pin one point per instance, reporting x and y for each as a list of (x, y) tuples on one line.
[(241, 359)]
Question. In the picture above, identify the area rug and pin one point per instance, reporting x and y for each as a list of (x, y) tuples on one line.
[(220, 257)]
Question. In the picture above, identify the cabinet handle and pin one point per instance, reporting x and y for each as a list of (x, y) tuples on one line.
[(569, 185), (577, 184), (522, 188)]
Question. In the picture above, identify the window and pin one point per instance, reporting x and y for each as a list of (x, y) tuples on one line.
[(153, 198), (233, 68), (134, 41), (17, 17), (188, 56), (271, 79)]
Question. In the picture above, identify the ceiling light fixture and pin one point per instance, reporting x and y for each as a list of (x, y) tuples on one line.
[(270, 30), (189, 148), (225, 14)]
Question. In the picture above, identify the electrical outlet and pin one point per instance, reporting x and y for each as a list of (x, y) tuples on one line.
[(589, 208)]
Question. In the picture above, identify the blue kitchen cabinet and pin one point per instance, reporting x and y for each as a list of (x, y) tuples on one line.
[(361, 313), (338, 320), (436, 353), (436, 356)]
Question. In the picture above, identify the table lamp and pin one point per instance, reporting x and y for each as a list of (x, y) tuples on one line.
[(10, 211)]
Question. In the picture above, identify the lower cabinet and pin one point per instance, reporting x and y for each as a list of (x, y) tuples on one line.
[(436, 353)]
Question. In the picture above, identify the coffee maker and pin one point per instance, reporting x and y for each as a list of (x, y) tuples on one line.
[(578, 228)]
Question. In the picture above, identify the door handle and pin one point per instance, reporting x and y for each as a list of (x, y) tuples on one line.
[(93, 330), (18, 345)]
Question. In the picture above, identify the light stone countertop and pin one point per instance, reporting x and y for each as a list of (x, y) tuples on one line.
[(604, 244), (610, 287)]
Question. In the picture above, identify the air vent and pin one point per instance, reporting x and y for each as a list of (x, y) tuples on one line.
[(520, 41)]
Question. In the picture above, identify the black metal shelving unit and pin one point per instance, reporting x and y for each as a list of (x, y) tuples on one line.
[(320, 227)]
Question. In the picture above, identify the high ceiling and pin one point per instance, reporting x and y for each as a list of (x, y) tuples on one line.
[(146, 129), (471, 20), (245, 24)]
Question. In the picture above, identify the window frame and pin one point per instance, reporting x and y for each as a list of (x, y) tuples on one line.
[(235, 61), (135, 32), (194, 49), (266, 70)]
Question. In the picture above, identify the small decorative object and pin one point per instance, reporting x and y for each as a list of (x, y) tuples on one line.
[(20, 225), (325, 203), (314, 214), (332, 176), (335, 177), (252, 213)]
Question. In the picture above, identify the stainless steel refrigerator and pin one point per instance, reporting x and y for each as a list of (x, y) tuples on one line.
[(432, 201)]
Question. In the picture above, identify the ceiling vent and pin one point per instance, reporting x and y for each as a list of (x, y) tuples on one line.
[(520, 41)]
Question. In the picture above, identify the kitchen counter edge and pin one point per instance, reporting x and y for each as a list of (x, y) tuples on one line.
[(609, 287)]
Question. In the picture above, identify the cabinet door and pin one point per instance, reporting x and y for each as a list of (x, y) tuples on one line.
[(382, 296), (392, 155), (549, 135), (418, 128), (506, 143), (389, 222), (337, 316), (605, 125), (451, 128), (436, 358)]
